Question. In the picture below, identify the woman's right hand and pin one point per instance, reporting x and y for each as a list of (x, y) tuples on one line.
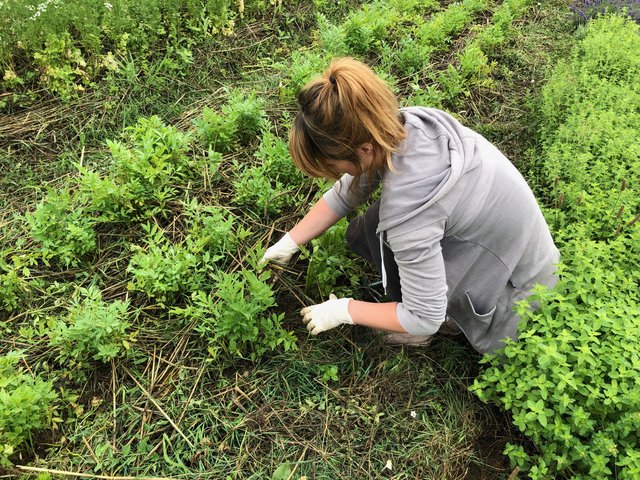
[(281, 252)]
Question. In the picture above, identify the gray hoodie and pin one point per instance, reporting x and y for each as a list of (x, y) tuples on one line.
[(464, 227)]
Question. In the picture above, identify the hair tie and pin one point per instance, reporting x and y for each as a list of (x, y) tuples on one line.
[(332, 79)]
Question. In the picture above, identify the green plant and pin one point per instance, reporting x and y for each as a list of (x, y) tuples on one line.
[(453, 85), (62, 66), (247, 113), (501, 26), (104, 196), (304, 66), (27, 404), (410, 57), (475, 67), (266, 189), (150, 163), (439, 30), (210, 229), (591, 123), (92, 330), (240, 120), (64, 229), (163, 269), (330, 264), (216, 130), (235, 316), (430, 96), (83, 38), (12, 287), (254, 190), (570, 381), (273, 155)]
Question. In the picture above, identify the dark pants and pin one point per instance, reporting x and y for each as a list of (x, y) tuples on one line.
[(362, 240)]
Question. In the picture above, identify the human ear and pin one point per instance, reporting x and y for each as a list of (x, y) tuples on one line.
[(366, 148)]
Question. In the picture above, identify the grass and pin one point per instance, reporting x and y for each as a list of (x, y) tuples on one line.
[(169, 410)]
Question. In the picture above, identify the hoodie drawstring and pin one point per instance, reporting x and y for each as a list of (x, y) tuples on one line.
[(384, 272)]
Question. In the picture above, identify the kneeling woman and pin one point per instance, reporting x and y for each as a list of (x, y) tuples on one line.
[(457, 234)]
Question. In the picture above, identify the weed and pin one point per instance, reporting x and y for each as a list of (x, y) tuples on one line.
[(27, 404), (234, 318), (65, 231), (216, 130), (330, 264), (266, 189), (239, 122), (163, 270), (210, 229), (12, 287), (92, 330)]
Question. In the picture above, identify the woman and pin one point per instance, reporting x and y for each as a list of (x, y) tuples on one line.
[(457, 234)]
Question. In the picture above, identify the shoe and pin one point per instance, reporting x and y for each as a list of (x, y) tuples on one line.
[(449, 327), (407, 339)]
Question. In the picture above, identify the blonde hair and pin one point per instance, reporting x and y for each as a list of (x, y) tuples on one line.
[(344, 108)]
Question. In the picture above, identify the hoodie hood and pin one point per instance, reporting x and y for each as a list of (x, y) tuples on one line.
[(438, 150)]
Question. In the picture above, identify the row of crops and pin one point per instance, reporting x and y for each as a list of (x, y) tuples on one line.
[(571, 383), (152, 245)]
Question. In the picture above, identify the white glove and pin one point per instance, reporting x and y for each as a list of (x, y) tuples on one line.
[(327, 315), (281, 252)]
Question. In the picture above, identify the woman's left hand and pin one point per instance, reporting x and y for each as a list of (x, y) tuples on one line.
[(327, 315)]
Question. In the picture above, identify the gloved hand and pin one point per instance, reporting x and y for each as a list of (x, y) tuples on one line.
[(280, 252), (327, 315)]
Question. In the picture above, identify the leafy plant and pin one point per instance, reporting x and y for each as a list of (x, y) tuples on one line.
[(163, 269), (62, 66), (571, 379), (240, 121), (247, 113), (273, 155), (92, 330), (27, 404), (304, 66), (105, 196), (410, 57), (216, 130), (150, 162), (210, 229), (83, 38), (442, 26), (235, 316), (267, 188), (255, 191), (63, 228), (12, 287), (330, 265)]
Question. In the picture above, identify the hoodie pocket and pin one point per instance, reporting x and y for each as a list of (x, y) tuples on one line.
[(474, 325)]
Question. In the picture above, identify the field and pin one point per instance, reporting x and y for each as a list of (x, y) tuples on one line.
[(144, 169)]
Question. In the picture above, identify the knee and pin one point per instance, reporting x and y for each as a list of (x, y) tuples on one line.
[(355, 235)]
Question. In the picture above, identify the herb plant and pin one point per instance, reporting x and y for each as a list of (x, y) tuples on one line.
[(65, 231), (92, 330), (571, 379), (331, 268), (240, 121), (235, 316), (27, 404), (164, 269)]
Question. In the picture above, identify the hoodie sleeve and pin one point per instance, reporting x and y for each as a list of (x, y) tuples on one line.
[(423, 282), (343, 200)]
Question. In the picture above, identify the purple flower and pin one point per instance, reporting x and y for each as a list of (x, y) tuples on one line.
[(588, 9)]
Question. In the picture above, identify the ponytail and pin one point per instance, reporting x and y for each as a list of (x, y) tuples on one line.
[(341, 110)]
